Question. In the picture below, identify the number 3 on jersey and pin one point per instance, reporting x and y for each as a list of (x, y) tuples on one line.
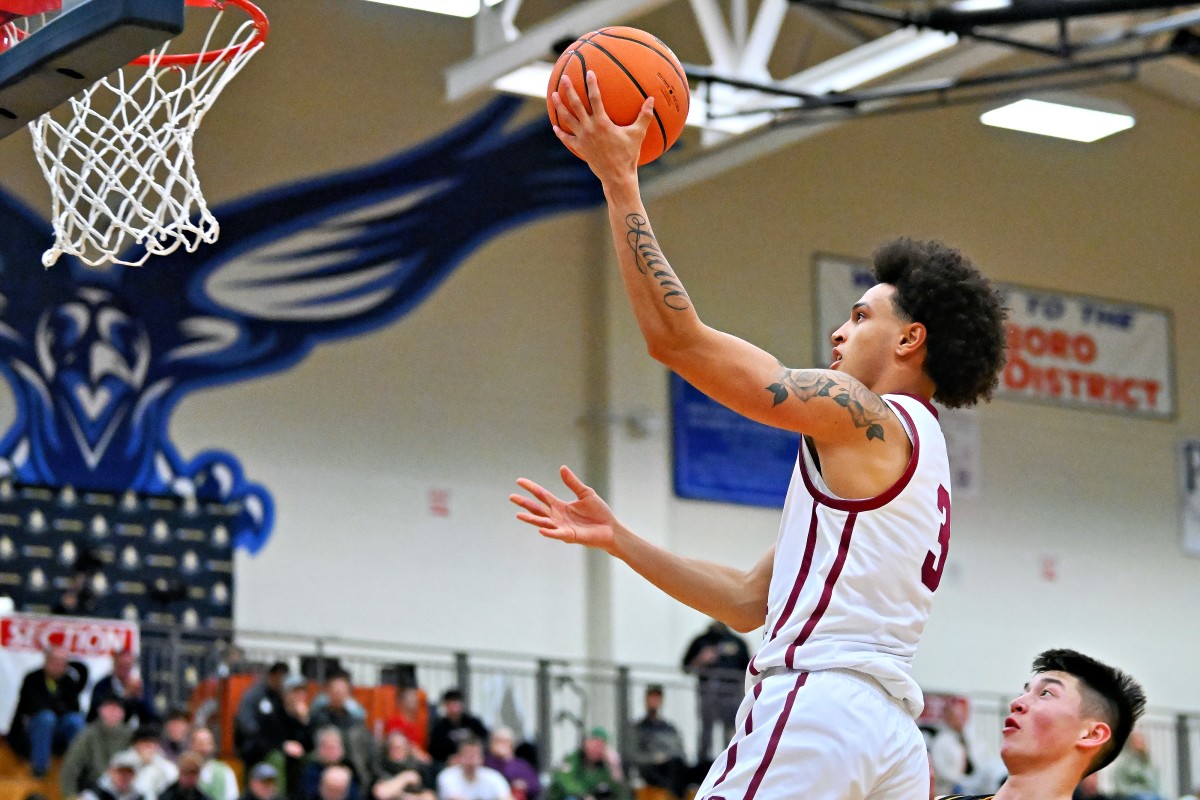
[(935, 563)]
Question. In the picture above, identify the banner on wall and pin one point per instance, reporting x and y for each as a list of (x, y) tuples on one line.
[(1064, 349), (25, 637), (1189, 455), (718, 454)]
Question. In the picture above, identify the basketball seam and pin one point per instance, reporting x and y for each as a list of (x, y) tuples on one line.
[(668, 56), (582, 63), (662, 130)]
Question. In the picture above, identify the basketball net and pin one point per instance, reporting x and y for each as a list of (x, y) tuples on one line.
[(118, 157)]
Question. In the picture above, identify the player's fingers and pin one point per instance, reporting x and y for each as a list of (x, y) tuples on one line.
[(529, 504), (537, 491), (558, 534), (572, 481), (536, 520), (593, 93), (570, 96), (644, 118), (564, 114)]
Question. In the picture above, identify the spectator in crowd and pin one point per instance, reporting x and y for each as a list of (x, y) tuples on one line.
[(259, 727), (411, 717), (453, 726), (217, 780), (329, 751), (468, 779), (336, 783), (658, 748), (117, 782), (1089, 789), (262, 783), (591, 773), (955, 764), (177, 734), (187, 785), (125, 684), (718, 657), (400, 774), (341, 711), (92, 751), (522, 777), (48, 716), (155, 771), (1135, 777)]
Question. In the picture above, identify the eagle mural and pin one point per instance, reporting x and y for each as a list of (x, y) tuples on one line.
[(98, 360)]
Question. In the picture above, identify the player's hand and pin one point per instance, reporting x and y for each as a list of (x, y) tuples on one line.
[(587, 520), (609, 149)]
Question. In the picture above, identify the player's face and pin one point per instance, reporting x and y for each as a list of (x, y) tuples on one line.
[(865, 344), (1046, 722)]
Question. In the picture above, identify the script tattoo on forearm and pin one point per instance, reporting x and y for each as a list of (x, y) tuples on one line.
[(866, 409), (650, 261)]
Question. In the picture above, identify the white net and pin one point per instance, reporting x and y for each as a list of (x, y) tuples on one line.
[(118, 157)]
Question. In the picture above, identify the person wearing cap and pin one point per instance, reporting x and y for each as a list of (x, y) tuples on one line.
[(187, 785), (453, 726), (155, 771), (260, 725), (262, 783), (117, 782), (592, 772), (91, 751)]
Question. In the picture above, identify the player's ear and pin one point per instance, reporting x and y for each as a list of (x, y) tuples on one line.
[(913, 338), (1095, 735)]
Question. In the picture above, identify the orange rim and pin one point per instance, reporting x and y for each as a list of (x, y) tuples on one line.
[(261, 28)]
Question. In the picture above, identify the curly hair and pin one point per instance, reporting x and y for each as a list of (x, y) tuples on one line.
[(963, 315)]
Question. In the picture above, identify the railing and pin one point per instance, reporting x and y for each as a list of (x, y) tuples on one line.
[(552, 702)]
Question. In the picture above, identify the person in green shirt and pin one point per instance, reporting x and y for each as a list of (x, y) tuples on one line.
[(590, 773)]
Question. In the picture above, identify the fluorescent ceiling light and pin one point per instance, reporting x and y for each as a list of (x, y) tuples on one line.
[(455, 8), (1055, 119)]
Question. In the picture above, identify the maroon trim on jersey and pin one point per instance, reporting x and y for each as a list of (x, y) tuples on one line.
[(776, 733), (801, 578), (922, 400), (731, 751), (831, 580), (880, 500)]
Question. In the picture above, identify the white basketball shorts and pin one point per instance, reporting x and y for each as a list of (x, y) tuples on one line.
[(827, 735)]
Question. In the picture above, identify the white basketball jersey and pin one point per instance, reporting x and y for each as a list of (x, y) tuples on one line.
[(853, 580)]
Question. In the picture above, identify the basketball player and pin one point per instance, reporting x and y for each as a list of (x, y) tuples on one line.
[(1072, 720), (847, 588)]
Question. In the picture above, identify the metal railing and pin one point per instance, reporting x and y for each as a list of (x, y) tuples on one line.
[(552, 702)]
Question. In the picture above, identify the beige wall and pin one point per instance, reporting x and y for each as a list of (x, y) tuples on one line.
[(488, 379)]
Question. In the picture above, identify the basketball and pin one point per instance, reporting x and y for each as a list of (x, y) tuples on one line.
[(630, 65)]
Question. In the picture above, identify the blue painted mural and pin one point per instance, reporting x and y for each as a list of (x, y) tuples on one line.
[(98, 360)]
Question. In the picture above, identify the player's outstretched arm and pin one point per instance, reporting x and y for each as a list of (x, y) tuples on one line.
[(828, 405), (736, 597)]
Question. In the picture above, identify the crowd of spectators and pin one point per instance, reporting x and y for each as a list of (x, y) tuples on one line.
[(292, 744)]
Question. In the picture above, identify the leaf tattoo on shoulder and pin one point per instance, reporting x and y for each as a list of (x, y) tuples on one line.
[(650, 261), (867, 410)]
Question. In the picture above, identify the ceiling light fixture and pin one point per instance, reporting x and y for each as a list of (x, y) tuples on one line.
[(454, 8), (1060, 120)]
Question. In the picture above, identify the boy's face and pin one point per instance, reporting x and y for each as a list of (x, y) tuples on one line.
[(865, 344), (1048, 721)]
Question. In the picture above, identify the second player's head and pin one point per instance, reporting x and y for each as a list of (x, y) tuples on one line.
[(1075, 712), (962, 315)]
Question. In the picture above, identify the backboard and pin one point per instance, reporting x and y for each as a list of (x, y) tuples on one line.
[(52, 49)]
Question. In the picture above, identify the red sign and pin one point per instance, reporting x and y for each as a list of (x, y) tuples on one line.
[(27, 8), (80, 637)]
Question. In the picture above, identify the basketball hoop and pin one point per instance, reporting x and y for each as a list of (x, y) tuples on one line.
[(118, 157)]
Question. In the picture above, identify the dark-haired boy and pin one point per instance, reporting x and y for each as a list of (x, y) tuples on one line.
[(866, 526), (1071, 721)]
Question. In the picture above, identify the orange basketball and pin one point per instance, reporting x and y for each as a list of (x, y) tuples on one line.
[(630, 65)]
